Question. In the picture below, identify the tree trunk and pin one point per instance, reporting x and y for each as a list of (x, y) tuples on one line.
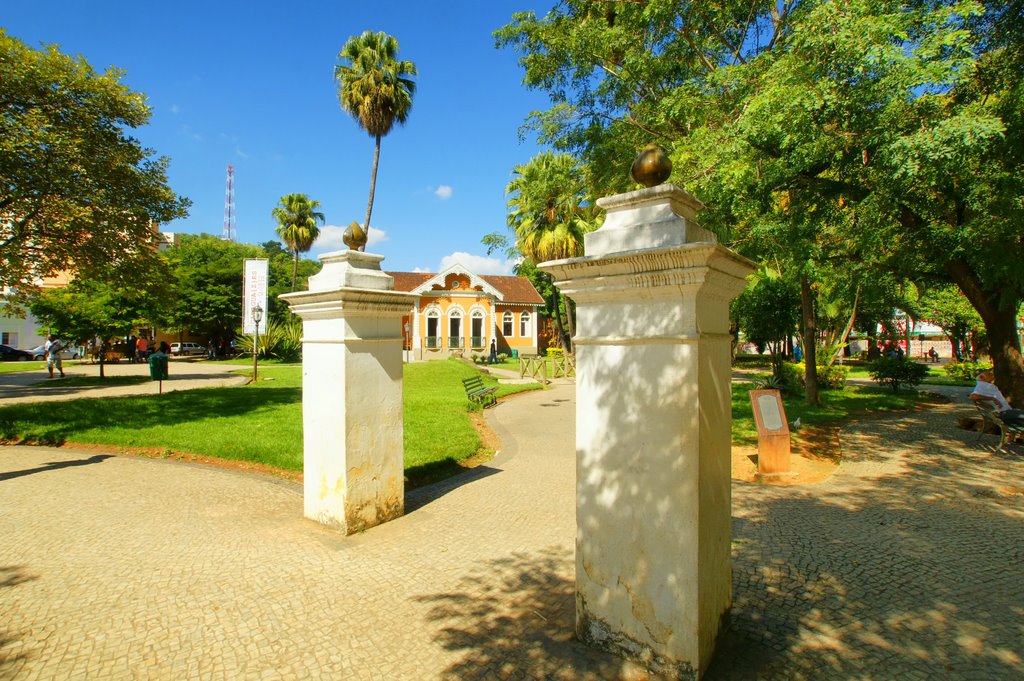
[(570, 323), (1001, 328), (295, 268), (846, 331), (810, 342), (373, 186), (556, 298)]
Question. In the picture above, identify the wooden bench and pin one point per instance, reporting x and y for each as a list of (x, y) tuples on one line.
[(477, 392), (1007, 431)]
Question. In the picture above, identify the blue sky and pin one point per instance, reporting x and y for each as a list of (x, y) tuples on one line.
[(251, 84)]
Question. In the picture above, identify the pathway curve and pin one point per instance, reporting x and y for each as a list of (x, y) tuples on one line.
[(184, 374), (905, 564)]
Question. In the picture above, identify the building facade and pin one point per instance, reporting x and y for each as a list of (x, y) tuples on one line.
[(459, 313)]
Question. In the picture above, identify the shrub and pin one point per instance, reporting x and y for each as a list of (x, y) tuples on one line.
[(829, 378), (557, 353), (772, 383), (965, 371), (897, 371), (281, 341), (502, 357)]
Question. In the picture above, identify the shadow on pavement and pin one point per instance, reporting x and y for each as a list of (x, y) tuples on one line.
[(53, 466)]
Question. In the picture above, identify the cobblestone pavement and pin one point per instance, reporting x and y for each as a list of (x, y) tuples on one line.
[(905, 564)]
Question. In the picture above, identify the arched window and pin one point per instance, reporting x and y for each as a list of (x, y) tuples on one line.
[(524, 325), (476, 328), (506, 324), (455, 328), (433, 338)]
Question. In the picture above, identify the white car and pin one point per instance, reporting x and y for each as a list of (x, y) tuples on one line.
[(187, 349), (69, 352)]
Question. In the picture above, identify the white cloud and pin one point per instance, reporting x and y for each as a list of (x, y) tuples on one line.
[(330, 239), (477, 264), (443, 192), (175, 109)]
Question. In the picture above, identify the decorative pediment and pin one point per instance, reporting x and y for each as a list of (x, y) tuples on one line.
[(440, 282)]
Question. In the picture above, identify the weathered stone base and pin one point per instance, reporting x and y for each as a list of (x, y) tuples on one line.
[(595, 632)]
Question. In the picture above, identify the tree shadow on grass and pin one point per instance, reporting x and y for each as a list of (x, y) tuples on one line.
[(36, 422)]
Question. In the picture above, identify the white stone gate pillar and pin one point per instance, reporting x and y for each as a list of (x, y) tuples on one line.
[(352, 413), (653, 484)]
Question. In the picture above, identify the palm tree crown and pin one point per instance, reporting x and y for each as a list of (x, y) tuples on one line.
[(549, 208), (549, 211), (376, 88), (297, 218)]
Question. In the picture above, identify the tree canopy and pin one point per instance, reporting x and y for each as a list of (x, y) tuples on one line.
[(77, 192), (821, 135)]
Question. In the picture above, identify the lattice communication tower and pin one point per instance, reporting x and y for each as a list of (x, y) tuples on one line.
[(230, 231)]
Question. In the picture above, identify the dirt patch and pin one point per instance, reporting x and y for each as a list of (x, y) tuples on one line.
[(814, 456)]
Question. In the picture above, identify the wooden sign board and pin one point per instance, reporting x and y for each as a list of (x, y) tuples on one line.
[(772, 432)]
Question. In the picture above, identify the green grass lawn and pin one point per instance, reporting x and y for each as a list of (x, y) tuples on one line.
[(836, 406), (936, 375), (12, 367), (207, 422)]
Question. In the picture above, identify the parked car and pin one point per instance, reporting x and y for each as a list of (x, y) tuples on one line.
[(7, 353), (39, 352), (187, 349)]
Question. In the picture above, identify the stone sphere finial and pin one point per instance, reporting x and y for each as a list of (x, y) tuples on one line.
[(652, 166), (354, 237)]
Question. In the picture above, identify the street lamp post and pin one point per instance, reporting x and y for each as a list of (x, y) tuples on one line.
[(257, 316)]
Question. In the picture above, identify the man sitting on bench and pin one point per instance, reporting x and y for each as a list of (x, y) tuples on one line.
[(986, 391)]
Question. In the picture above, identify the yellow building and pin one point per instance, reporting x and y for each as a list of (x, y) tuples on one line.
[(459, 313)]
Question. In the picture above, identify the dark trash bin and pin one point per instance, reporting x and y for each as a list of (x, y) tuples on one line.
[(158, 367)]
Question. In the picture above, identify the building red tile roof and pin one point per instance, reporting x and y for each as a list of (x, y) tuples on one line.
[(512, 289)]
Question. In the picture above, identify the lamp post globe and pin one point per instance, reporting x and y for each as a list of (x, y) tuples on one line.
[(257, 317)]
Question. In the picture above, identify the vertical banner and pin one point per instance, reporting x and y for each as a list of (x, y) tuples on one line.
[(254, 292)]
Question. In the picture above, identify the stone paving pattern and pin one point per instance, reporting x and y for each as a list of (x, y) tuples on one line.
[(904, 564)]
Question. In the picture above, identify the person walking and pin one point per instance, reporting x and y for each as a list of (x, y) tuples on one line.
[(52, 349)]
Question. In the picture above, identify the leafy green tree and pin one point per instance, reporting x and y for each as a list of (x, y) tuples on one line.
[(948, 308), (867, 131), (77, 192), (88, 308), (549, 211), (767, 312), (297, 218), (376, 89), (204, 296)]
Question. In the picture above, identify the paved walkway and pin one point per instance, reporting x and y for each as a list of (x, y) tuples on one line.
[(184, 374), (907, 563)]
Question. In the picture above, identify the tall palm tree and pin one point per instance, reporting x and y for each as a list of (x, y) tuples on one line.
[(297, 217), (376, 89), (549, 212)]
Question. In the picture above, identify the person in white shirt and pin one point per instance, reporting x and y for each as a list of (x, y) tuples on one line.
[(52, 349), (986, 391)]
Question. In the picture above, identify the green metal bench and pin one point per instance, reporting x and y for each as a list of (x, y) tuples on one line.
[(1007, 431), (477, 392)]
